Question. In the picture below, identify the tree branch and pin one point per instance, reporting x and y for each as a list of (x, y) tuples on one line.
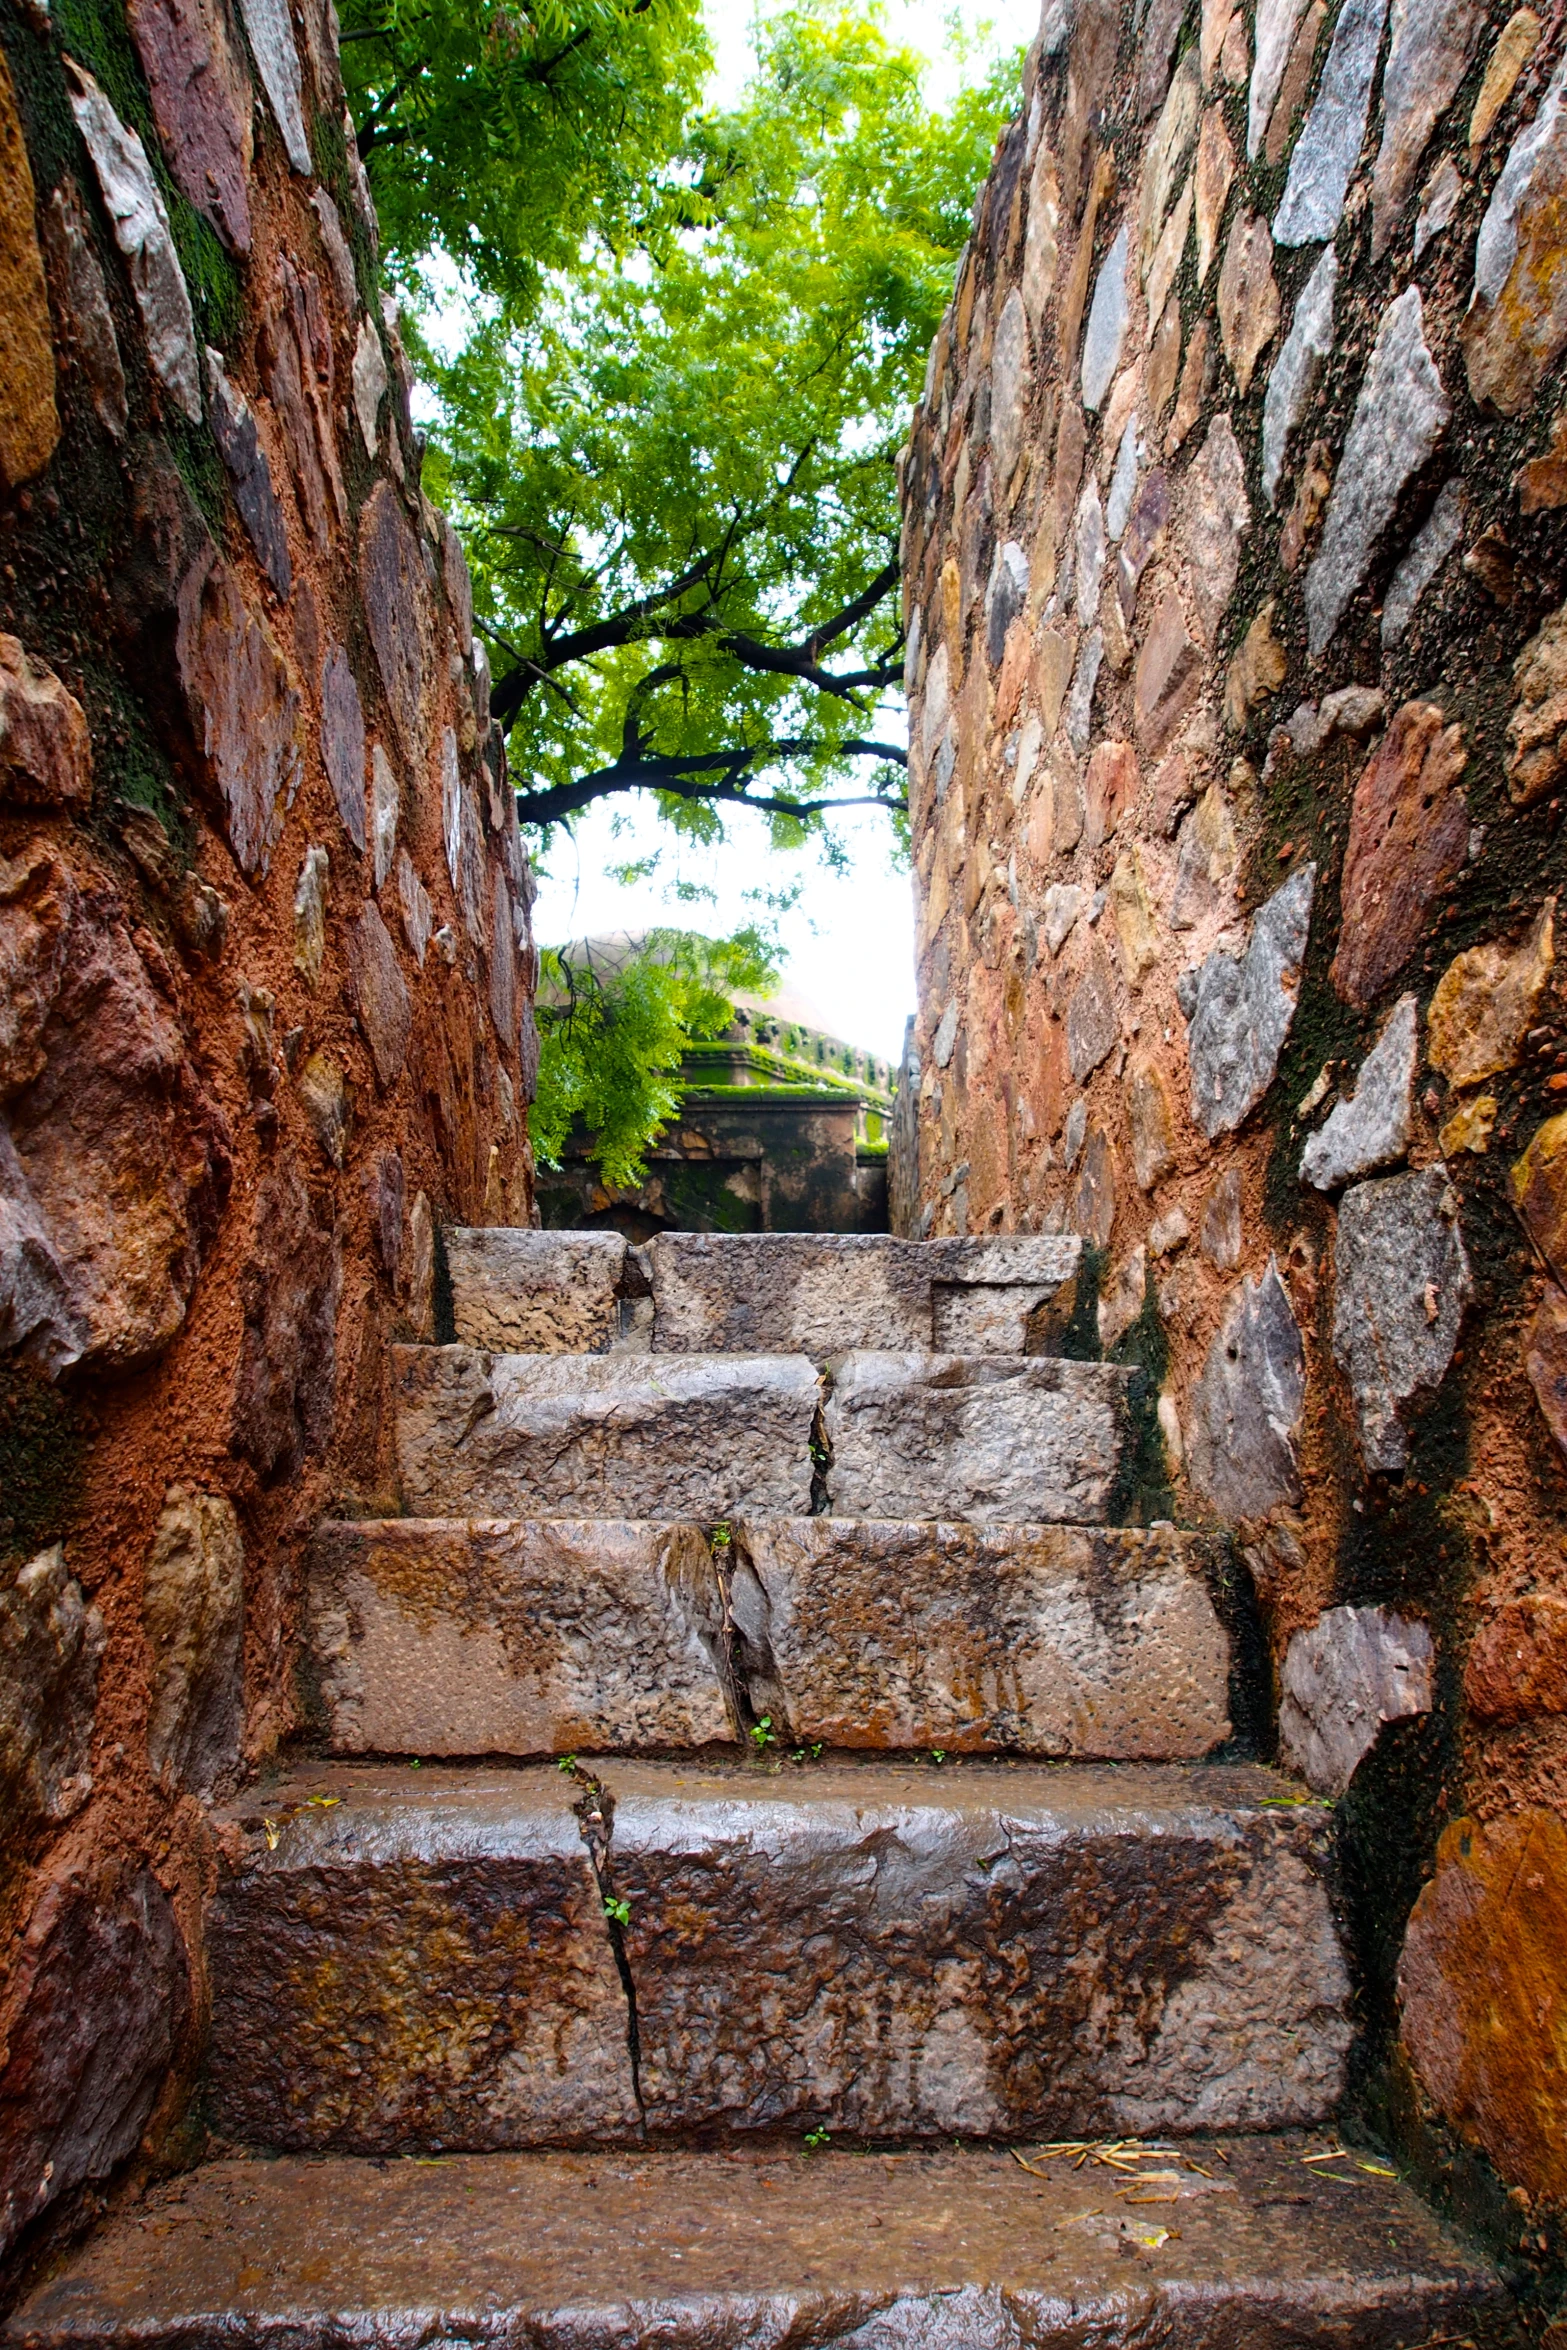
[(714, 776)]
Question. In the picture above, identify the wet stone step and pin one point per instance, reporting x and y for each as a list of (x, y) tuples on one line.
[(466, 1637), (1239, 2247), (709, 1437), (409, 1960), (758, 1293), (603, 1436)]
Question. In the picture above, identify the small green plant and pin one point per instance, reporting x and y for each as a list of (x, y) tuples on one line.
[(617, 1911), (761, 1733), (938, 1755), (721, 1538), (816, 2139), (805, 1754), (415, 1764), (567, 1763)]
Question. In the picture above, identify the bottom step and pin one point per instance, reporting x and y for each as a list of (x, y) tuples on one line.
[(1244, 2247)]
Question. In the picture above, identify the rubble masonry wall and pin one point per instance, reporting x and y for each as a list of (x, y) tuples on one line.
[(1237, 662), (265, 986)]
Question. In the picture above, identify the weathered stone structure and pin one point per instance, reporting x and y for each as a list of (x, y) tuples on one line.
[(719, 1893), (265, 980), (780, 1127), (602, 1712), (1237, 663)]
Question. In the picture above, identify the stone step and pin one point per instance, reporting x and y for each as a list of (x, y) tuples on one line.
[(711, 1437), (758, 1292), (991, 1438), (603, 1436), (409, 1960), (1244, 2246), (464, 1637)]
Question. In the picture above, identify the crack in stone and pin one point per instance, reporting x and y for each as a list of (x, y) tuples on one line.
[(821, 1445), (594, 1811)]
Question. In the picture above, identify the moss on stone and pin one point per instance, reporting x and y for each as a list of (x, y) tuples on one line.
[(42, 1446)]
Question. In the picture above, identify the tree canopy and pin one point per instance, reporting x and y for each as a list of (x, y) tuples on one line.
[(500, 138), (675, 471)]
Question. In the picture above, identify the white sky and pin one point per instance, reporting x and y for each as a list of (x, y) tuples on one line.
[(850, 940)]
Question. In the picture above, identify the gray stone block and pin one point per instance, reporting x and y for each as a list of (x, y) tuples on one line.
[(1246, 1407), (550, 1293), (827, 1293), (603, 1436), (546, 1636), (1401, 1283), (1242, 1007), (1001, 1438), (978, 1950), (1370, 1129), (406, 1960), (1053, 1640), (465, 1637)]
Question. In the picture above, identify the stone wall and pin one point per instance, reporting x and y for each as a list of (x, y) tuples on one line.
[(265, 985), (1234, 568)]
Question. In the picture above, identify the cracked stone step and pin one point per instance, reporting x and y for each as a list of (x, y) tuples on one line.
[(419, 1960), (1244, 2244), (463, 1637), (767, 1292), (603, 1436), (993, 1439)]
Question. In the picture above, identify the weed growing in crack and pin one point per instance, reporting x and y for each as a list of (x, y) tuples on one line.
[(761, 1733), (617, 1910), (567, 1763), (720, 1538), (816, 2139), (805, 1754), (938, 1755)]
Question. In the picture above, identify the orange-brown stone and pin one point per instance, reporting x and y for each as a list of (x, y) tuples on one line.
[(29, 419), (1483, 1993), (1518, 1664), (1545, 1360), (1486, 1000), (1540, 1189), (1408, 836)]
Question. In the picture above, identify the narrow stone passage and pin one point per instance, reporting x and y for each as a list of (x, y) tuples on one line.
[(753, 1826)]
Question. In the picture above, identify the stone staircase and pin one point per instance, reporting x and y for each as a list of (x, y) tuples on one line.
[(772, 1832)]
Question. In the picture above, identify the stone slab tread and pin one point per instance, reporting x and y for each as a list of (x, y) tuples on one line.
[(447, 1959), (1239, 2246)]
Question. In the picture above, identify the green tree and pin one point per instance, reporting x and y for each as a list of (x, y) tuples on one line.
[(676, 474), (500, 134), (612, 1031)]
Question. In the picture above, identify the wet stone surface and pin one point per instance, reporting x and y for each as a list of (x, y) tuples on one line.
[(995, 1950), (938, 2250), (415, 1961)]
